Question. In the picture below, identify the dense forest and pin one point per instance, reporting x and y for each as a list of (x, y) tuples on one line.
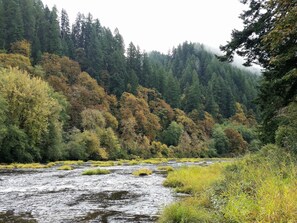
[(76, 92)]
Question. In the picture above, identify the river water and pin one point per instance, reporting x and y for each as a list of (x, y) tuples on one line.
[(51, 195)]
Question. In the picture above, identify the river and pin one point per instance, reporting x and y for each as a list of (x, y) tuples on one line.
[(51, 195)]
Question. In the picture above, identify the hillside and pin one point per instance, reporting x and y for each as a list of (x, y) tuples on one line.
[(102, 101)]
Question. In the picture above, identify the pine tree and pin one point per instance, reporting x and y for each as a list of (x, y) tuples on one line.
[(54, 41), (28, 17), (172, 92), (2, 26), (66, 41), (14, 27)]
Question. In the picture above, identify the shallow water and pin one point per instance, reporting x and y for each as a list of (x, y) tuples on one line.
[(51, 195)]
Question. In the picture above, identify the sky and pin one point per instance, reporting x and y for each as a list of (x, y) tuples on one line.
[(161, 24)]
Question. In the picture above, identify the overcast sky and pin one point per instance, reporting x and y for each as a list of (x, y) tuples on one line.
[(161, 24)]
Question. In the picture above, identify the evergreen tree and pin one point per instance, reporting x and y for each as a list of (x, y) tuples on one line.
[(193, 95), (14, 26), (269, 39), (29, 19), (54, 41), (66, 41), (172, 92), (2, 26)]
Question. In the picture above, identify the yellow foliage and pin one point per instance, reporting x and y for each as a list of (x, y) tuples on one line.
[(30, 102), (15, 60), (22, 47)]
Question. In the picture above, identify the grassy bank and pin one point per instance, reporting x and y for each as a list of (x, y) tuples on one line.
[(258, 188)]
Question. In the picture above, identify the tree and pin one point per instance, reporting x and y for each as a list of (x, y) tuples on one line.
[(286, 133), (239, 116), (92, 119), (66, 41), (171, 135), (172, 92), (30, 107), (192, 99), (269, 39), (111, 143), (21, 47), (29, 18), (54, 40), (13, 22)]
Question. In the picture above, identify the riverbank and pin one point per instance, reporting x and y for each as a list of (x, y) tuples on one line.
[(261, 187)]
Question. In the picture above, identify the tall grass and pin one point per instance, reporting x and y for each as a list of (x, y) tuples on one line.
[(194, 179), (259, 188), (95, 172)]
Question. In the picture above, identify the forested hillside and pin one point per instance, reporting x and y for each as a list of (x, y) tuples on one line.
[(75, 92)]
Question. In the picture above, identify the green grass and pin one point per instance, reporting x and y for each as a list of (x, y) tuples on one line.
[(142, 172), (133, 162), (72, 162), (187, 212), (95, 172), (194, 179), (65, 167), (189, 160), (103, 163), (259, 188), (27, 165), (155, 161), (165, 168)]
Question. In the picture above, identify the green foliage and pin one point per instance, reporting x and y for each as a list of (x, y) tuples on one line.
[(258, 188), (85, 146), (110, 141), (96, 172), (236, 136), (158, 150), (219, 141), (185, 212), (172, 134), (271, 43), (92, 119), (286, 134), (30, 107)]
